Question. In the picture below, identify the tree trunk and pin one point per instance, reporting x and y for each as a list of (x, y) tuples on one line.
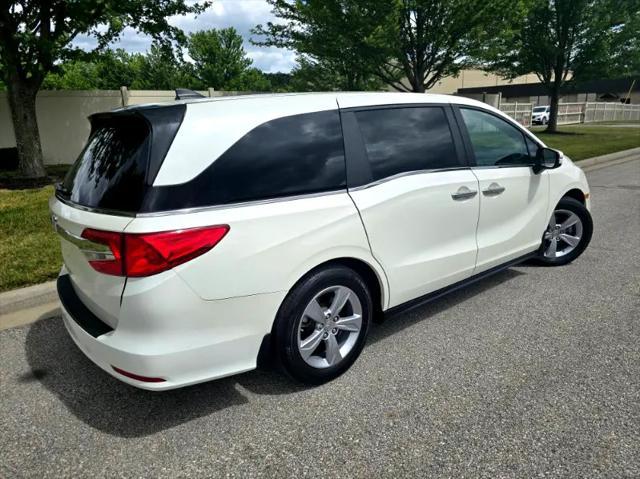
[(552, 127), (22, 101)]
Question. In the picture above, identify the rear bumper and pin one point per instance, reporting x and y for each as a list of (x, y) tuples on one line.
[(210, 340)]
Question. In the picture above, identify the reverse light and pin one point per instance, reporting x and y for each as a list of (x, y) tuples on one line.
[(109, 259), (146, 254)]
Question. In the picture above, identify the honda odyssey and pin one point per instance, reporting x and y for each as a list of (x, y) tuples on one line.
[(203, 236)]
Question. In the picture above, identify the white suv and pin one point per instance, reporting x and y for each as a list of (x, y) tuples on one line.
[(204, 236), (540, 115)]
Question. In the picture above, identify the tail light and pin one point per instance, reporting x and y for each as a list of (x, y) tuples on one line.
[(105, 251), (145, 254)]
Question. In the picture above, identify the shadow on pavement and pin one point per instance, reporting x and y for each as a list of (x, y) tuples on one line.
[(115, 408), (107, 404), (399, 321)]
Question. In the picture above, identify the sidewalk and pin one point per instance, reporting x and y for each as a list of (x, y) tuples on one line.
[(26, 305)]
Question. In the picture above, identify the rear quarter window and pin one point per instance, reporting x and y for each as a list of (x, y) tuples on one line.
[(121, 158), (287, 156), (110, 171)]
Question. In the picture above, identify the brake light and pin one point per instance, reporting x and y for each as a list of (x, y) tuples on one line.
[(152, 253), (146, 254)]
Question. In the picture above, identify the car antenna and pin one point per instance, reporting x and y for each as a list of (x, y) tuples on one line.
[(185, 93)]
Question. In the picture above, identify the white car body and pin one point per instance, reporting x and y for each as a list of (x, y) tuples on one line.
[(540, 114), (207, 318)]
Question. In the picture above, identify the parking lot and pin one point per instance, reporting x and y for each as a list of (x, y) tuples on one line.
[(534, 372)]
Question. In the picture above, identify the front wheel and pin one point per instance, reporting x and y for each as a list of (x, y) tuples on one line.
[(322, 325), (567, 235)]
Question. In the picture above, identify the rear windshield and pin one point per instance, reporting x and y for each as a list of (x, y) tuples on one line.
[(110, 172)]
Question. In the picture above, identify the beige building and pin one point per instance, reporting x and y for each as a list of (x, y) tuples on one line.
[(477, 78)]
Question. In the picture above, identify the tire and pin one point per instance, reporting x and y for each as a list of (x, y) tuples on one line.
[(300, 325), (571, 240)]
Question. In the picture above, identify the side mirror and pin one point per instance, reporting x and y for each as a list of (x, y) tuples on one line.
[(546, 159)]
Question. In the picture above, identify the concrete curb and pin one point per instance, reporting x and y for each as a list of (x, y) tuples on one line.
[(39, 295), (607, 160), (28, 297)]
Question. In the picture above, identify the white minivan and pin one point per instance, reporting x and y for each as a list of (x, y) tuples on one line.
[(203, 237)]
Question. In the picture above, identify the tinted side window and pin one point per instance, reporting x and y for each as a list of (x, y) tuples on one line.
[(495, 142), (288, 156), (398, 140)]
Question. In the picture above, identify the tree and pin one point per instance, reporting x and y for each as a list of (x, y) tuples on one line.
[(432, 39), (562, 41), (408, 44), (116, 68), (161, 69), (219, 58), (35, 35), (252, 80), (341, 43), (72, 75), (280, 82), (330, 75), (620, 56)]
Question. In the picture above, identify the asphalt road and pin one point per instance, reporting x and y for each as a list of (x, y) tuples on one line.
[(532, 373)]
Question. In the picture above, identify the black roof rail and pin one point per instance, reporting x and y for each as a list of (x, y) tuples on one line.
[(185, 93)]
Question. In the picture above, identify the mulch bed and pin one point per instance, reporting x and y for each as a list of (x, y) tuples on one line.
[(19, 183)]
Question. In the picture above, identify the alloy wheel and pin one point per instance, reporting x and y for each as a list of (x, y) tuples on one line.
[(563, 234), (330, 326)]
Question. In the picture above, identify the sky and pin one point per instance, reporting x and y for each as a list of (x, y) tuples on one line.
[(241, 14)]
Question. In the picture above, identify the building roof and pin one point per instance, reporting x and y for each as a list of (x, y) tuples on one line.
[(538, 89)]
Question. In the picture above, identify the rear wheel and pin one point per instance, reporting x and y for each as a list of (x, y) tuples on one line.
[(322, 325), (567, 235)]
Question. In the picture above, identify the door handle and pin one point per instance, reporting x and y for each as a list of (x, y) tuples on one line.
[(494, 190), (463, 193)]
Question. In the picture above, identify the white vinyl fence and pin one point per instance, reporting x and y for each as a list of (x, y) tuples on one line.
[(569, 113), (610, 112), (573, 113), (62, 116), (521, 112)]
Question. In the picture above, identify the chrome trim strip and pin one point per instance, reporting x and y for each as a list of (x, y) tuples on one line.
[(92, 251), (68, 235), (101, 211), (486, 167), (200, 209), (407, 173)]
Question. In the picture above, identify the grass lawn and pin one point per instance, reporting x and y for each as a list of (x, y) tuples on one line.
[(29, 249), (579, 142)]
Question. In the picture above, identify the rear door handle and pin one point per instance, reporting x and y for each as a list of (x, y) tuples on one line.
[(463, 193), (494, 190)]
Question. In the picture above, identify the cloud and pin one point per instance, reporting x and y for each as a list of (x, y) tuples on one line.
[(243, 15)]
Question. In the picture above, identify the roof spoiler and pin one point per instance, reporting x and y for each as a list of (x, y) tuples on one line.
[(185, 93)]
